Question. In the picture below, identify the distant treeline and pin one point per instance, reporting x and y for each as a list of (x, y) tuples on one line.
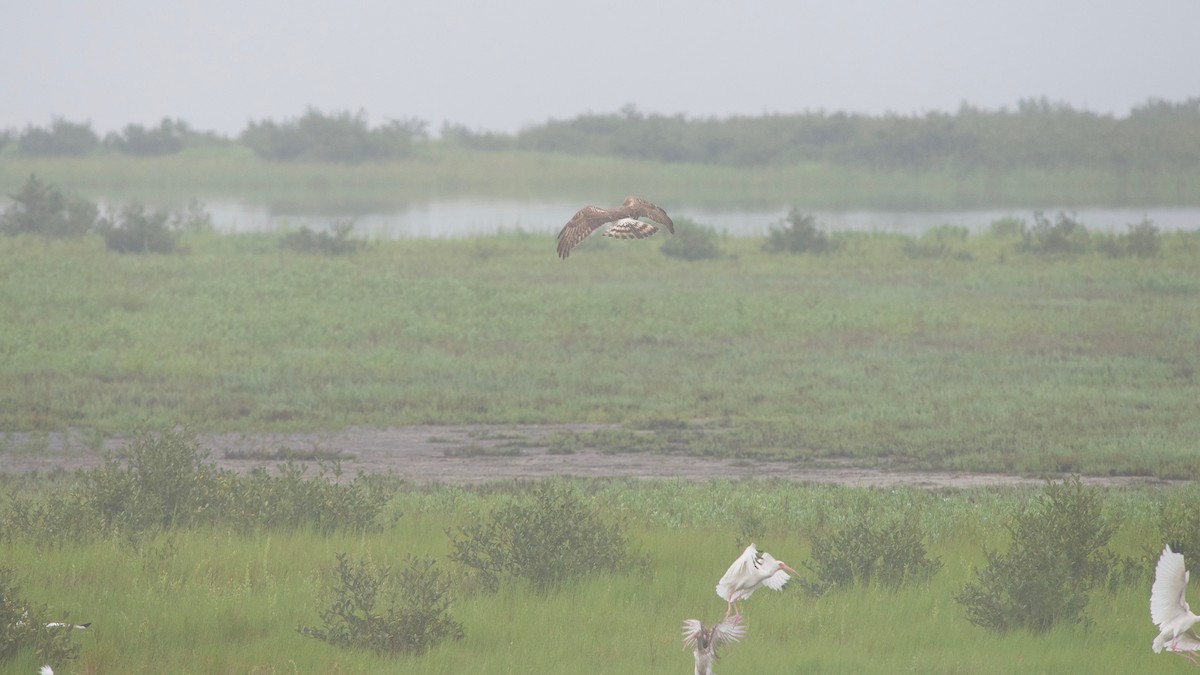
[(1157, 136)]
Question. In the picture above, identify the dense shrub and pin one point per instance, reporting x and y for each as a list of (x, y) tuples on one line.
[(369, 609), (1065, 235), (23, 627), (1058, 555), (691, 242), (1140, 241), (162, 481), (336, 242), (167, 138), (1179, 522), (340, 137), (40, 208), (798, 233), (871, 546), (62, 138), (546, 539), (134, 230)]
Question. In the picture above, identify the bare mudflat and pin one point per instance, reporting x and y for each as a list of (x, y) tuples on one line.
[(474, 454)]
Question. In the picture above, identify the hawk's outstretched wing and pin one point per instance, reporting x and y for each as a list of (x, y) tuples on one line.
[(588, 219), (636, 207)]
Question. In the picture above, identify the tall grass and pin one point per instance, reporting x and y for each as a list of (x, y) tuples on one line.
[(206, 601), (1004, 362)]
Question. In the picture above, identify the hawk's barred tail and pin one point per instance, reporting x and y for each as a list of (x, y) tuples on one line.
[(630, 229)]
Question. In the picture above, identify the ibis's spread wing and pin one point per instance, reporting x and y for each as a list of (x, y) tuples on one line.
[(777, 581), (1170, 585), (738, 572)]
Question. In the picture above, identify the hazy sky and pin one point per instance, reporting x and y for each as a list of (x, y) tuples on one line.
[(503, 65)]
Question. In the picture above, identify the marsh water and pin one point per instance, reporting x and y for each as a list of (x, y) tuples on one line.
[(464, 217)]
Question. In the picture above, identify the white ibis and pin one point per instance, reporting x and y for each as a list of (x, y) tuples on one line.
[(627, 226), (747, 573), (704, 641), (1169, 609)]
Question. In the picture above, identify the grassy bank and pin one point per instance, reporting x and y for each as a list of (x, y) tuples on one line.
[(988, 359), (208, 601), (447, 172)]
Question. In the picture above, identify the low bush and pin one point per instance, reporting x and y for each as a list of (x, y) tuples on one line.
[(163, 481), (336, 242), (691, 242), (798, 233), (546, 539), (134, 230), (42, 209), (871, 546), (1140, 241), (368, 609), (23, 627), (1064, 236), (1058, 555)]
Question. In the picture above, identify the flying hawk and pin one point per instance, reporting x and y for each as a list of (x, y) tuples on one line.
[(625, 223)]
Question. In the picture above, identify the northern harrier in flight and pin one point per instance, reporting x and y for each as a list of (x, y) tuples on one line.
[(625, 223)]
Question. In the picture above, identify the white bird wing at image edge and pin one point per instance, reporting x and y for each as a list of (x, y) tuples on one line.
[(1170, 584)]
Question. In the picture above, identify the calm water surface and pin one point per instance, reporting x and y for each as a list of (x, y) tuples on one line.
[(468, 217)]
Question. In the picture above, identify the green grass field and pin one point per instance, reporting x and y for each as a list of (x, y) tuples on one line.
[(210, 601), (1007, 361)]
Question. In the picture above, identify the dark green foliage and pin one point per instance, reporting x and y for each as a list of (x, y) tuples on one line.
[(336, 242), (371, 610), (1007, 228), (23, 627), (871, 546), (1140, 241), (1064, 236), (944, 241), (40, 208), (476, 140), (134, 230), (193, 218), (798, 233), (166, 139), (163, 481), (1058, 555), (1037, 134), (341, 137), (691, 242), (1179, 523), (62, 138), (548, 538), (160, 483)]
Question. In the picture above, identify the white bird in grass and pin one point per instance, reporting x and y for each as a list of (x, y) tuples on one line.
[(46, 670), (704, 641), (747, 573), (60, 624), (1169, 609)]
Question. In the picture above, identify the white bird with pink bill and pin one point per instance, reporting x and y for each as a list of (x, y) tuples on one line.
[(750, 571)]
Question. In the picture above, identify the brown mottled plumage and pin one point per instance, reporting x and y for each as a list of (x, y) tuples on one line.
[(704, 640), (627, 225)]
